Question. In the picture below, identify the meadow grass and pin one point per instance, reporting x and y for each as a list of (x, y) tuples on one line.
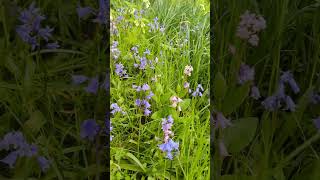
[(280, 144), (38, 98), (134, 148)]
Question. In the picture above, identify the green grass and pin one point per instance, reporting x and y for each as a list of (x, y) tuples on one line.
[(134, 149), (284, 145), (37, 98)]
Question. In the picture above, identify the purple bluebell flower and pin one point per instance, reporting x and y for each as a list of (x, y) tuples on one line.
[(287, 77), (120, 71), (89, 129), (255, 93), (138, 102), (169, 147), (145, 87), (245, 74), (150, 95), (102, 17), (135, 50), (11, 158), (84, 11), (93, 85), (137, 88), (271, 103), (43, 163), (45, 33), (147, 52), (115, 52), (290, 105), (116, 108), (317, 123), (30, 31), (147, 112), (78, 79), (198, 92), (221, 121), (314, 98)]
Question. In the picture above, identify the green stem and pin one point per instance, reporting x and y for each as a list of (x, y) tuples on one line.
[(299, 149)]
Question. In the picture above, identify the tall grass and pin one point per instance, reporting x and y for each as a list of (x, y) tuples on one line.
[(284, 144)]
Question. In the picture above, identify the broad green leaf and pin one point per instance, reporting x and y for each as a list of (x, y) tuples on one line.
[(234, 98), (219, 86), (240, 134), (136, 160)]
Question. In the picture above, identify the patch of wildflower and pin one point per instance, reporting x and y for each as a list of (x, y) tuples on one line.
[(16, 141), (169, 145), (116, 108), (93, 83), (115, 52), (274, 101), (246, 73), (31, 31), (198, 92), (101, 13), (144, 103), (155, 26), (249, 27)]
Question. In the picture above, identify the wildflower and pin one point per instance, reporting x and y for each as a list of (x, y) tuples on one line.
[(145, 87), (115, 108), (245, 74), (44, 163), (30, 31), (115, 52), (255, 93), (317, 123), (89, 129), (175, 100), (198, 92), (120, 71), (271, 103), (169, 145), (150, 95), (111, 137), (135, 50), (102, 17), (93, 85), (314, 98), (147, 52), (187, 70), (21, 149), (186, 85), (250, 25), (221, 121), (287, 77), (290, 105)]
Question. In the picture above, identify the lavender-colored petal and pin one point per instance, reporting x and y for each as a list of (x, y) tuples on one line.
[(317, 123), (93, 85), (290, 105), (10, 159), (221, 121), (89, 129), (43, 163), (255, 93)]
